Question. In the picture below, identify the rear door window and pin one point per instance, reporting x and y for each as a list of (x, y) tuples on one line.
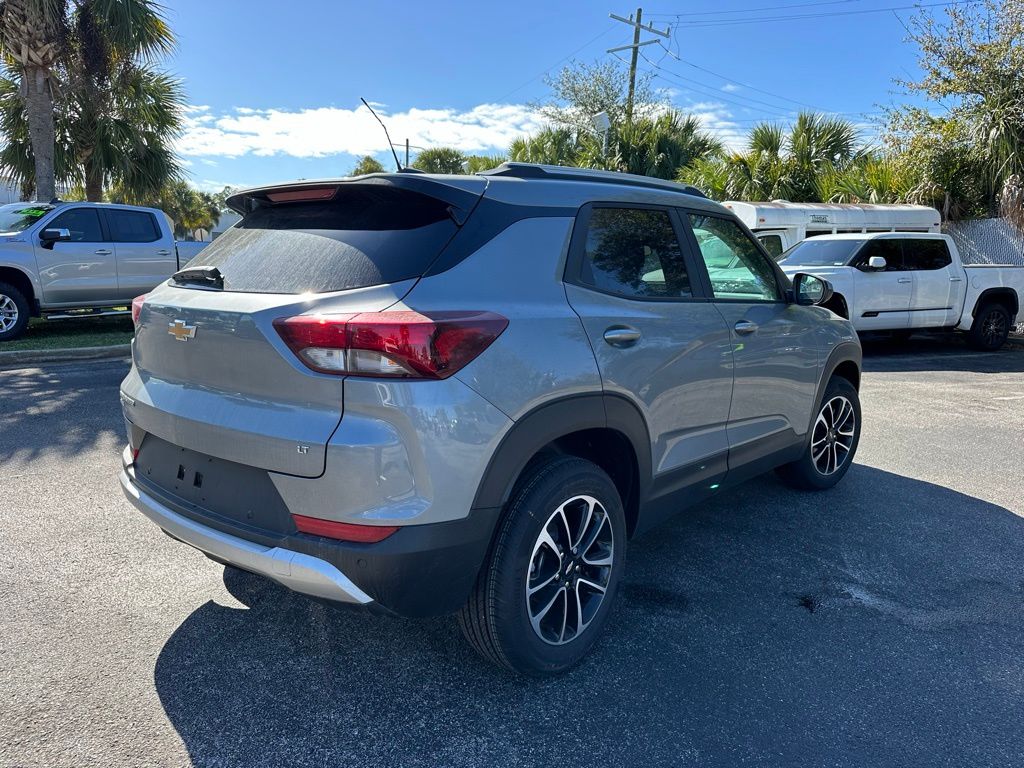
[(363, 235), (925, 254), (132, 226), (634, 252)]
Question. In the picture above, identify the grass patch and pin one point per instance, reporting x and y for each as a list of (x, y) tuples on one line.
[(71, 334)]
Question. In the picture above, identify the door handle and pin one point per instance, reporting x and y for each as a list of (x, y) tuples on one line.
[(163, 252), (956, 279), (103, 251), (904, 280), (745, 327), (622, 336)]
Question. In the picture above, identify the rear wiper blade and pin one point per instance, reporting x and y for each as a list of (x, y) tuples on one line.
[(210, 276)]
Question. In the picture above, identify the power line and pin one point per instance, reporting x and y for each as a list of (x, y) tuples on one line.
[(557, 63), (751, 10), (705, 89), (737, 82), (796, 17)]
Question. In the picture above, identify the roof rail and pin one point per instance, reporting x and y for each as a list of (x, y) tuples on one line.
[(564, 173)]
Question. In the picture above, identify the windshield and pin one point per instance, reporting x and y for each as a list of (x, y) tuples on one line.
[(820, 253), (17, 217)]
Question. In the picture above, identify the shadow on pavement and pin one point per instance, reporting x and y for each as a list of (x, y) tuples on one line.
[(879, 623), (53, 408), (938, 352)]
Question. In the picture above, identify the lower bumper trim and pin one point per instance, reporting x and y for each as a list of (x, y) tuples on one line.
[(295, 570)]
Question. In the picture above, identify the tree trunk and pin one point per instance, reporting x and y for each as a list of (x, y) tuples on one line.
[(39, 111), (93, 184)]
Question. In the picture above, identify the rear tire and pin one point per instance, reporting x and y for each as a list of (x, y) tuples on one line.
[(832, 443), (544, 595), (14, 311), (991, 328)]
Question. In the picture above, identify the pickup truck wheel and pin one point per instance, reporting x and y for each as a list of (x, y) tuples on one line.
[(833, 440), (541, 601), (990, 328), (14, 312)]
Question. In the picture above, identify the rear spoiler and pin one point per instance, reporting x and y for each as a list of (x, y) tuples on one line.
[(461, 194)]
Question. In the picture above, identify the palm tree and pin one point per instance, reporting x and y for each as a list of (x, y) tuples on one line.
[(549, 146), (31, 33), (367, 164), (440, 160), (791, 164), (117, 115), (661, 146)]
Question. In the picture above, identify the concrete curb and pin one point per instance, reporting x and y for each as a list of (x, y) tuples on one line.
[(21, 357)]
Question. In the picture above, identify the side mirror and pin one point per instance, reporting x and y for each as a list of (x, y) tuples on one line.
[(810, 290), (56, 235), (877, 263)]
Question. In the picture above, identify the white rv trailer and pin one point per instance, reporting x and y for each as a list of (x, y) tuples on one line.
[(780, 225)]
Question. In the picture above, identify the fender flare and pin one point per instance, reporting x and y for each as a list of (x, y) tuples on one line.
[(556, 419), (996, 294), (30, 278), (843, 352)]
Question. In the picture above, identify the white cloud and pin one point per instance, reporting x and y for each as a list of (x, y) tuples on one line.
[(322, 131), (717, 120), (730, 88)]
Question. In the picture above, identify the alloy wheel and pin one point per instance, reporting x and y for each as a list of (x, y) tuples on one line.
[(8, 313), (570, 568), (994, 329), (833, 436)]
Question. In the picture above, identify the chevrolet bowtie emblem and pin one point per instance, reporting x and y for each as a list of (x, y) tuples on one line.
[(180, 331)]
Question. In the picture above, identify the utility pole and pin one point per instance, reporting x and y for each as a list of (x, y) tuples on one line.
[(637, 26), (406, 153)]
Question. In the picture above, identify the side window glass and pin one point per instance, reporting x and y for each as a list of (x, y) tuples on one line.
[(737, 268), (925, 254), (82, 223), (772, 244), (132, 227), (888, 248), (634, 252)]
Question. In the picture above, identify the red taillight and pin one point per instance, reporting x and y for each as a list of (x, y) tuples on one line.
[(394, 344), (361, 534), (137, 308)]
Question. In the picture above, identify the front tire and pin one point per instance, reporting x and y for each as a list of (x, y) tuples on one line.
[(544, 596), (14, 311), (832, 442), (991, 328)]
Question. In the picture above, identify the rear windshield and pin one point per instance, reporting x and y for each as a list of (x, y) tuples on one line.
[(820, 253), (366, 235)]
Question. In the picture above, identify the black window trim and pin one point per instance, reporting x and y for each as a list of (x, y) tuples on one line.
[(104, 232), (572, 274), (108, 229), (781, 282)]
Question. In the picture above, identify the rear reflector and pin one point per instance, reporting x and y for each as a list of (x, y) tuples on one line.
[(137, 308), (361, 534), (390, 344)]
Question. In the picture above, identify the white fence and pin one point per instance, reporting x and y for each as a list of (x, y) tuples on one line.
[(987, 241)]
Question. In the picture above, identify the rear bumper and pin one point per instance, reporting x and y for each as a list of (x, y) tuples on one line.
[(295, 570), (420, 570)]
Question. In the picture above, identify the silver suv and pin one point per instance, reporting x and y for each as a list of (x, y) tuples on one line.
[(427, 394)]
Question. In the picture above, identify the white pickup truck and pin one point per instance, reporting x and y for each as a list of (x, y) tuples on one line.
[(903, 282), (69, 259)]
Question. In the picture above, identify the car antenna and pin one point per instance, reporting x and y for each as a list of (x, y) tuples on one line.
[(390, 145)]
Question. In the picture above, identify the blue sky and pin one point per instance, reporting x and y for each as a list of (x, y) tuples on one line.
[(274, 87)]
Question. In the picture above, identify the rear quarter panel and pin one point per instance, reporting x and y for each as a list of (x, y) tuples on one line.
[(544, 352)]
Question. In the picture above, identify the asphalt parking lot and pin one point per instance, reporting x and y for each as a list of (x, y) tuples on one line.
[(877, 624)]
